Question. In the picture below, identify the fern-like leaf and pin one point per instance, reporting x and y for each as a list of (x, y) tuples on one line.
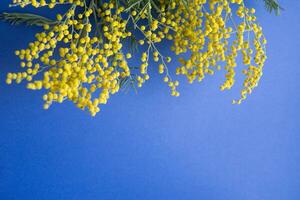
[(26, 18), (273, 6)]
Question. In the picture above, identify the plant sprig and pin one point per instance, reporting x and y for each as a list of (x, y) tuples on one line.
[(88, 61)]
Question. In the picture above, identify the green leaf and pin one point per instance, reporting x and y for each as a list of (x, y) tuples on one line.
[(133, 44), (26, 18), (128, 83), (185, 3), (273, 6)]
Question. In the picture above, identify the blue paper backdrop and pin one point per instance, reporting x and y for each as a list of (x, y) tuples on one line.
[(152, 146)]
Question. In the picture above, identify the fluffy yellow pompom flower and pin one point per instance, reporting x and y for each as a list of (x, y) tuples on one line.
[(83, 55)]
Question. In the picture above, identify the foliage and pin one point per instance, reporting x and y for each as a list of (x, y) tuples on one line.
[(26, 18), (273, 5)]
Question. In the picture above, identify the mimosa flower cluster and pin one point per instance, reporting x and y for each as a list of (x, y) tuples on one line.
[(84, 57)]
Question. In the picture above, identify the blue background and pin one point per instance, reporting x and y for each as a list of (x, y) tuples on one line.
[(151, 145)]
